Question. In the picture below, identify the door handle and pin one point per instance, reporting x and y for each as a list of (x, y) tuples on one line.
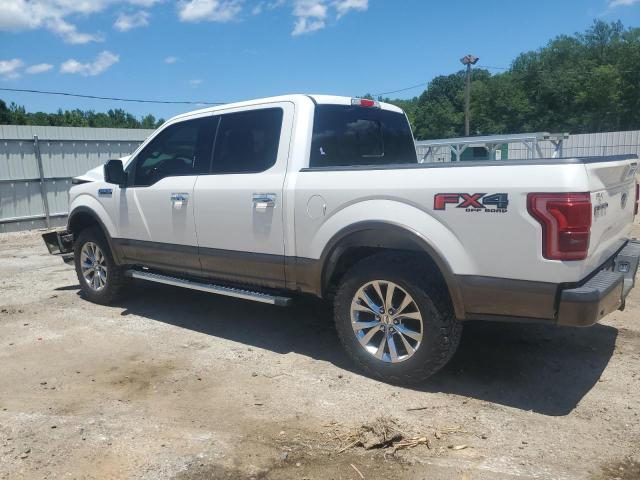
[(262, 201), (179, 199)]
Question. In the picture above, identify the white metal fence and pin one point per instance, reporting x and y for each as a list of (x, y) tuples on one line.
[(535, 145), (37, 163), (589, 145)]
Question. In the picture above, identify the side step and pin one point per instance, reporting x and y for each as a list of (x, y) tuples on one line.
[(210, 288)]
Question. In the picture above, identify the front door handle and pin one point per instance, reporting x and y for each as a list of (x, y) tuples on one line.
[(179, 199), (262, 201)]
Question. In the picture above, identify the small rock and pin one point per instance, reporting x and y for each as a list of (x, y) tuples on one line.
[(298, 464), (284, 456), (457, 447), (254, 374)]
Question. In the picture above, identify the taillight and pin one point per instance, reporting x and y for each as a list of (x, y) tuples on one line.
[(364, 102), (635, 210), (566, 223)]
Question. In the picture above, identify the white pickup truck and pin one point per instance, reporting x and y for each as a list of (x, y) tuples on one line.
[(324, 195)]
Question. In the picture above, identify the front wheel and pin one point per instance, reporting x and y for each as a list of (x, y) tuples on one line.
[(101, 280), (395, 319)]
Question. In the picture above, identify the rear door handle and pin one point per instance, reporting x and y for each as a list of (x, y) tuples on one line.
[(262, 201)]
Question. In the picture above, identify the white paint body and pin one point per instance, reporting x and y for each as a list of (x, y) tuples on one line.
[(312, 206)]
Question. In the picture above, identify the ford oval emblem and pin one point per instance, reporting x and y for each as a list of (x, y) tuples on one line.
[(623, 200)]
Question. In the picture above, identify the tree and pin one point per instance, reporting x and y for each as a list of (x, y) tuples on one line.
[(587, 82), (118, 118)]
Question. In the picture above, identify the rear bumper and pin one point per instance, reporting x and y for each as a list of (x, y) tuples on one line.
[(580, 304), (602, 293)]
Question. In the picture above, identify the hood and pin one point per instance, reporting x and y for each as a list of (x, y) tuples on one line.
[(95, 174)]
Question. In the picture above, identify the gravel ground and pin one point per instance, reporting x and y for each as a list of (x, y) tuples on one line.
[(183, 385)]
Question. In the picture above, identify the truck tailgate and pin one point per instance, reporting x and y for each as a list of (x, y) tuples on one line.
[(612, 185)]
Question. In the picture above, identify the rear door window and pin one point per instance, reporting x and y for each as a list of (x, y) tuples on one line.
[(247, 142), (346, 135)]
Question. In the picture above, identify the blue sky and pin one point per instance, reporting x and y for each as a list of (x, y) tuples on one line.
[(227, 50)]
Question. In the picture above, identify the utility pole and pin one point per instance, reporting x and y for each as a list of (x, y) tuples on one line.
[(467, 60)]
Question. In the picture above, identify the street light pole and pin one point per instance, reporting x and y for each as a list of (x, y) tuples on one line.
[(467, 60)]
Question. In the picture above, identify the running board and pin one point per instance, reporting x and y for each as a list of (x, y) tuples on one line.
[(210, 288)]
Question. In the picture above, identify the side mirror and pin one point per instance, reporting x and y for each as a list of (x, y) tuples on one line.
[(114, 173)]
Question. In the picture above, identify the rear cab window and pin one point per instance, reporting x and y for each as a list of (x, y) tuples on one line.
[(346, 135)]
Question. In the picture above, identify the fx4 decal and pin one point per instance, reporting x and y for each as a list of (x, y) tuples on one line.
[(473, 202)]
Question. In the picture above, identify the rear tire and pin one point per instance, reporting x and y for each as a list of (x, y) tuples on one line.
[(101, 280), (419, 310)]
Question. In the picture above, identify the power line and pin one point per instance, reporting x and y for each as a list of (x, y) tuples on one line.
[(427, 83), (401, 89), (96, 97), (491, 67)]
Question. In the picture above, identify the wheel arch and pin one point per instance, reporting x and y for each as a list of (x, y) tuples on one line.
[(368, 237), (83, 217)]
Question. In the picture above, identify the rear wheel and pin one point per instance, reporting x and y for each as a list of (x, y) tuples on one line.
[(395, 319), (101, 280)]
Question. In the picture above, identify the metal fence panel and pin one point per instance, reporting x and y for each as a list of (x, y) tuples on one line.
[(68, 151), (65, 152), (588, 145)]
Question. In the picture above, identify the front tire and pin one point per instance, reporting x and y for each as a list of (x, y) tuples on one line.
[(395, 319), (101, 280)]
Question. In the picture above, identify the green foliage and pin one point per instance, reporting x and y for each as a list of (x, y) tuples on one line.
[(118, 118), (588, 82)]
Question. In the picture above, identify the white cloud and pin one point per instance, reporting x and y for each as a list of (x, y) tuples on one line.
[(39, 68), (10, 69), (195, 82), (58, 16), (69, 32), (126, 21), (102, 62), (262, 6), (310, 16), (170, 60), (344, 6), (209, 10), (144, 3), (622, 3)]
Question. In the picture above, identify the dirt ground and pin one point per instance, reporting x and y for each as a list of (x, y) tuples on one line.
[(175, 384)]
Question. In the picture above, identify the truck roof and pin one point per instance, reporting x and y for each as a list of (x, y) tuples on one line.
[(295, 98)]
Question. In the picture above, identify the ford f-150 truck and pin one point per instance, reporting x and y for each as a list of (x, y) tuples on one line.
[(324, 195)]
